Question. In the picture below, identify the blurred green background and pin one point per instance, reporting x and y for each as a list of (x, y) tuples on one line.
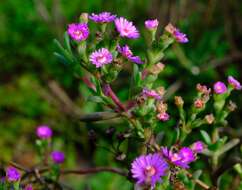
[(36, 89)]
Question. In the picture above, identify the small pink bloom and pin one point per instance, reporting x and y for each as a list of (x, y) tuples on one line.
[(101, 57), (219, 88), (151, 24), (127, 53), (103, 17), (236, 84), (126, 28), (198, 147), (163, 116), (44, 132), (78, 31)]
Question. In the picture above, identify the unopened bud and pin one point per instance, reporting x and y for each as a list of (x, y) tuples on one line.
[(110, 131), (231, 106), (161, 91), (161, 107), (170, 28), (179, 101), (209, 119), (84, 17), (157, 68), (198, 104), (203, 89), (92, 135), (140, 99)]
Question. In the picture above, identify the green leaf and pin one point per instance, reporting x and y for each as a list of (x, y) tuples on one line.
[(206, 137), (61, 58), (96, 99), (67, 42)]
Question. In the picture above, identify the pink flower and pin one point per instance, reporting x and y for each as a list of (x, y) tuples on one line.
[(12, 174), (182, 158), (163, 116), (58, 157), (126, 28), (151, 24), (44, 132), (78, 31), (127, 53), (219, 88), (198, 147), (28, 187), (103, 17), (148, 169), (101, 57), (236, 84), (179, 36), (151, 94)]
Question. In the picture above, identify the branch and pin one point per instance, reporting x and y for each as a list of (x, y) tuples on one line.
[(198, 182), (95, 170), (225, 166), (109, 92), (98, 116)]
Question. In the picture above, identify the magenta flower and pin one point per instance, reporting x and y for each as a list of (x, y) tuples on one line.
[(12, 174), (148, 169), (58, 157), (181, 158), (28, 187), (101, 57), (126, 28), (219, 88), (151, 24), (236, 84), (187, 155), (151, 94), (198, 147), (44, 132), (103, 17), (163, 116), (78, 31), (179, 36), (127, 53)]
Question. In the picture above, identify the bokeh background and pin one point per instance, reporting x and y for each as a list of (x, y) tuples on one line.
[(36, 89)]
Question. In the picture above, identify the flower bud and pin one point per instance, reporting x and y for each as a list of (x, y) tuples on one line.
[(110, 131), (92, 135), (157, 68), (209, 119), (203, 89), (161, 107), (231, 106), (198, 104), (151, 24), (179, 101), (161, 91), (84, 17)]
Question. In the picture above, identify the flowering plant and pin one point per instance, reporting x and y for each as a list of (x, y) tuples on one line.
[(98, 57)]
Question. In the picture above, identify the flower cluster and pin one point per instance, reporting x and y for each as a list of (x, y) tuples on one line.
[(220, 88), (146, 110), (148, 169)]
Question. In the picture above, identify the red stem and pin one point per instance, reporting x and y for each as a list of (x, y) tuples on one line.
[(109, 92)]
